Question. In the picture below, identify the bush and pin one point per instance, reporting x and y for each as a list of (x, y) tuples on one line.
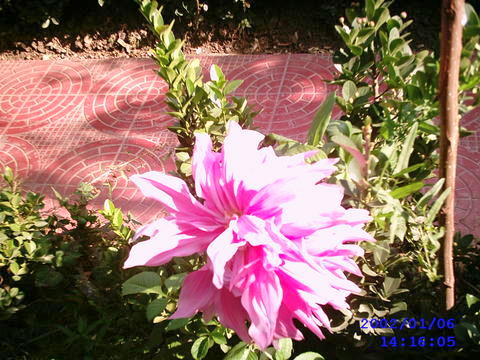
[(60, 281)]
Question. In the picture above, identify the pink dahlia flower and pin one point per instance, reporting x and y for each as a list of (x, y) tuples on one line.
[(277, 239)]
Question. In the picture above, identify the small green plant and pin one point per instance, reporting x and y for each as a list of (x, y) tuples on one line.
[(60, 280), (197, 105)]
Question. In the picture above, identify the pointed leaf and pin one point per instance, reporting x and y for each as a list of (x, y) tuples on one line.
[(437, 205), (155, 308), (321, 120), (146, 282), (407, 148), (348, 90), (406, 190), (200, 348), (430, 193)]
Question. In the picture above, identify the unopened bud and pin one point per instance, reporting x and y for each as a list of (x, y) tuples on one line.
[(371, 23), (342, 20), (403, 14)]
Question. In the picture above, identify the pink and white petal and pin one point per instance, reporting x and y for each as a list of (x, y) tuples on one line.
[(153, 228), (332, 237), (172, 192), (262, 300), (202, 161), (196, 294), (231, 313), (285, 327), (241, 145), (355, 217), (167, 244), (220, 251)]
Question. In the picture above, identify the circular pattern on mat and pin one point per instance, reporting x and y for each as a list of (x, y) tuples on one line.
[(471, 121), (19, 155), (467, 192), (132, 99), (40, 94), (290, 92), (107, 165)]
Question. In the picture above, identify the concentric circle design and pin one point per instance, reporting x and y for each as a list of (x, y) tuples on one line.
[(38, 95), (107, 165), (471, 121), (288, 91), (132, 99), (467, 192), (18, 154)]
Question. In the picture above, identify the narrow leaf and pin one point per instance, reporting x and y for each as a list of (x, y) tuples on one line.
[(430, 193), (321, 120), (437, 205), (406, 190), (407, 148)]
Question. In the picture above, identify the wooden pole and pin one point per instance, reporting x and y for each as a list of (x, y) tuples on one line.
[(450, 53)]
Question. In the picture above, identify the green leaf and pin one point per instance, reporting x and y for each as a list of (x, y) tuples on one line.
[(407, 148), (147, 282), (398, 307), (409, 169), (108, 207), (437, 205), (30, 246), (155, 308), (48, 277), (200, 347), (348, 144), (406, 190), (285, 349), (349, 90), (238, 352), (425, 199), (218, 336), (8, 175), (117, 219), (14, 268), (380, 17), (177, 324), (370, 8), (390, 285), (216, 73), (471, 299), (310, 355), (232, 86), (175, 281), (321, 120)]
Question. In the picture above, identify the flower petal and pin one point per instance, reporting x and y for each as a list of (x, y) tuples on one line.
[(197, 292), (173, 193), (220, 251), (261, 300), (168, 241)]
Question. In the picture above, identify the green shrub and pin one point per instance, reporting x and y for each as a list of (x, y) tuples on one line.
[(60, 281)]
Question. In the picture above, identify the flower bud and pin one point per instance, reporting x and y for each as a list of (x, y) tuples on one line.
[(403, 14)]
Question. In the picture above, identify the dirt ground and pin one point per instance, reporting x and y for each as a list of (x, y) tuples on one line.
[(285, 26)]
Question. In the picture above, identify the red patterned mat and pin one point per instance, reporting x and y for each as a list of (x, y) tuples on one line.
[(64, 122)]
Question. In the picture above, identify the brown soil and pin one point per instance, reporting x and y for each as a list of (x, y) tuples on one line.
[(302, 26)]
